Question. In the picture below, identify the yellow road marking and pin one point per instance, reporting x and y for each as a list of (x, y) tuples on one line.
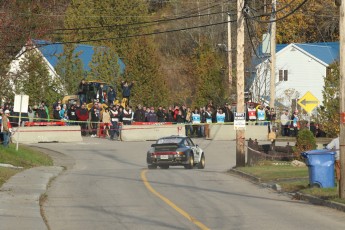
[(171, 204)]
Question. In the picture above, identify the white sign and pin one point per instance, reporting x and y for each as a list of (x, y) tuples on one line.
[(240, 121), (21, 103)]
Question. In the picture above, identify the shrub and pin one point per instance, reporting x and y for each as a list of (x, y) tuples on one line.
[(305, 141)]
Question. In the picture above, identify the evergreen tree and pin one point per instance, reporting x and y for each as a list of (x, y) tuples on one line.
[(104, 66), (70, 69), (329, 112), (33, 79), (210, 80)]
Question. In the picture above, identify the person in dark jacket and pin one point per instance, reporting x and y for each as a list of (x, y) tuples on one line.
[(82, 91), (111, 96), (100, 94), (139, 114), (229, 115), (169, 114), (71, 113), (95, 118), (56, 113), (126, 90), (160, 114), (151, 116), (82, 116)]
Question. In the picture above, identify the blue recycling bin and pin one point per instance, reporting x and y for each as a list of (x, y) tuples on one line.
[(320, 164)]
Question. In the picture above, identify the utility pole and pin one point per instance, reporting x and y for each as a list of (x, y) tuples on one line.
[(342, 98), (273, 55), (240, 133), (229, 53)]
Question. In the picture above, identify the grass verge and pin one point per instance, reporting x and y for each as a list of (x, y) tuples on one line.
[(291, 179), (25, 157)]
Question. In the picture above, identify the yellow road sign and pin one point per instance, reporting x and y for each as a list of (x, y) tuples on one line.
[(308, 102)]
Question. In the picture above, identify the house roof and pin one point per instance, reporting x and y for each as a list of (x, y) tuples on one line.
[(51, 51), (328, 52)]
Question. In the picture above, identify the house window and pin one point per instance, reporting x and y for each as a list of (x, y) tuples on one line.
[(283, 75)]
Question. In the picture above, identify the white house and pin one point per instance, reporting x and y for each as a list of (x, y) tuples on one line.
[(299, 68)]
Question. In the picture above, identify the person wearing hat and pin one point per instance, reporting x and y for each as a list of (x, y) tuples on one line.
[(6, 128)]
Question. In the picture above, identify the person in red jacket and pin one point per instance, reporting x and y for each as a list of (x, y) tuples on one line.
[(82, 116)]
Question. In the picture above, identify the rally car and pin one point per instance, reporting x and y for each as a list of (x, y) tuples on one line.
[(175, 151)]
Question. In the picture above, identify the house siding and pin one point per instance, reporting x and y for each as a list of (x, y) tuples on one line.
[(305, 73)]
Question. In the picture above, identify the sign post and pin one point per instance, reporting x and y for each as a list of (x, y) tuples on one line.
[(21, 103), (308, 102)]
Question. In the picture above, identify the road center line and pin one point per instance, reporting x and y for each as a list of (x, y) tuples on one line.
[(171, 204)]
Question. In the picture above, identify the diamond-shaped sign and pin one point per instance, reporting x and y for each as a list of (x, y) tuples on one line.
[(308, 102)]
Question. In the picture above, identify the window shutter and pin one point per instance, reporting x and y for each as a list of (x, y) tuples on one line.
[(280, 75), (285, 75)]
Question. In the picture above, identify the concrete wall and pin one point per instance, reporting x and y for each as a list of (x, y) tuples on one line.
[(226, 132), (217, 132), (149, 132), (36, 134)]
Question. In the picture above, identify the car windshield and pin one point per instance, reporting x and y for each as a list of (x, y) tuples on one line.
[(174, 140)]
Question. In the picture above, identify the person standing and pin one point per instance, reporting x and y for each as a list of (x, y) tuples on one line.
[(72, 116), (229, 115), (196, 120), (295, 122), (100, 94), (284, 120), (111, 96), (95, 118), (6, 128), (82, 91), (160, 114), (220, 116), (334, 145), (261, 115), (126, 90), (139, 114), (251, 114), (83, 116), (151, 116), (106, 121), (114, 129)]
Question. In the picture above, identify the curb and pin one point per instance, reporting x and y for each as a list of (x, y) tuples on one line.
[(319, 201), (298, 195)]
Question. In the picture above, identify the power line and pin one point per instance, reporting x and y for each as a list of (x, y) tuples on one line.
[(140, 35), (137, 23), (281, 18)]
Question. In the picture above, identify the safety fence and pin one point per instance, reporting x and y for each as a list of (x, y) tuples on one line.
[(257, 153)]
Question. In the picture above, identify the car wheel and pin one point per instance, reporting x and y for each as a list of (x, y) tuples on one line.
[(191, 162), (201, 164), (164, 166), (152, 166)]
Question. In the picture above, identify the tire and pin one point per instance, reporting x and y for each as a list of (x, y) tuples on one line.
[(151, 166), (190, 162), (201, 164), (164, 166)]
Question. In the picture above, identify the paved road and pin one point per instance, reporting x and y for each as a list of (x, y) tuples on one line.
[(107, 186)]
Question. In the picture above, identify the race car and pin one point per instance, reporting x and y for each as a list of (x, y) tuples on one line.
[(175, 151)]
